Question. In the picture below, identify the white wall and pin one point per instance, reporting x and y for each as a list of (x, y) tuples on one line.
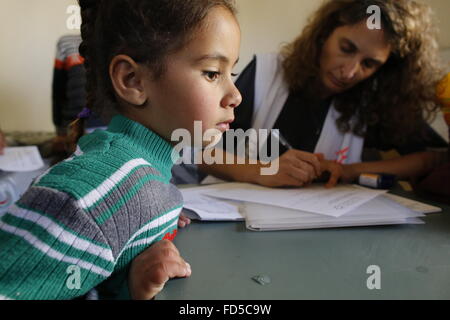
[(268, 24), (442, 11), (29, 30)]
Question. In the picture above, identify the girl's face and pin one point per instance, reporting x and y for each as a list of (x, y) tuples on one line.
[(351, 54), (197, 83)]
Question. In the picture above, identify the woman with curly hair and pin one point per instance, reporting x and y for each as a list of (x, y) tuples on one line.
[(341, 87)]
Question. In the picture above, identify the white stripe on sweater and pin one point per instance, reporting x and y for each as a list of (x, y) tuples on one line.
[(150, 239), (4, 298), (48, 251), (146, 241), (157, 222), (78, 152), (153, 224), (61, 234), (95, 195)]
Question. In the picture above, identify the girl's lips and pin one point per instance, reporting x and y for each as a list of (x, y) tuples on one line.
[(224, 126)]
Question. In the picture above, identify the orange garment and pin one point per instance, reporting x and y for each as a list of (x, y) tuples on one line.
[(443, 94)]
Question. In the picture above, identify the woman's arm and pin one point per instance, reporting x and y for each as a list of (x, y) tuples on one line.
[(404, 167)]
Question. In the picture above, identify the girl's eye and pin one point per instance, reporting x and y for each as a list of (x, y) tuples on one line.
[(211, 75), (235, 74)]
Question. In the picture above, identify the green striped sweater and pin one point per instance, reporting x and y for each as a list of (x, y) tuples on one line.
[(85, 219)]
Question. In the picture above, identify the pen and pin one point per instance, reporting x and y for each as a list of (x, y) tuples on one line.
[(277, 134)]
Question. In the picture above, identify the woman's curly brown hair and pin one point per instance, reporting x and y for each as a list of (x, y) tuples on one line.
[(145, 30), (402, 92)]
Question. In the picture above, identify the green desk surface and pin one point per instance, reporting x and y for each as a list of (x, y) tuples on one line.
[(315, 264)]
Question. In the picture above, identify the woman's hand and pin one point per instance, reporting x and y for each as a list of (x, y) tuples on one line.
[(151, 270), (338, 172), (295, 169)]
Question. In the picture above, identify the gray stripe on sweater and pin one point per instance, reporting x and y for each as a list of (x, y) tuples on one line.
[(151, 201), (125, 185), (63, 209)]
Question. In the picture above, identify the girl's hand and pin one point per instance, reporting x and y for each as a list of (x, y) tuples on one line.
[(151, 270), (296, 169), (183, 221)]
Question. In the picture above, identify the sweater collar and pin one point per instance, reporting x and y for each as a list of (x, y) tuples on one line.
[(152, 147)]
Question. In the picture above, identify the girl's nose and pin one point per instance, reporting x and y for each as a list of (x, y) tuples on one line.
[(233, 98)]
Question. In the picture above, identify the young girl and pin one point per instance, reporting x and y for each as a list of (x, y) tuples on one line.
[(101, 214)]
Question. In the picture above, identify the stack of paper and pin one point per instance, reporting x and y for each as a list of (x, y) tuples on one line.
[(267, 209), (379, 211)]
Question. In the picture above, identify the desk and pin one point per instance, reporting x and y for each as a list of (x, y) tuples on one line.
[(24, 179), (315, 264)]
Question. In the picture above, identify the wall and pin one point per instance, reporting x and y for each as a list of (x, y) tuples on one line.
[(30, 29), (29, 32), (266, 27)]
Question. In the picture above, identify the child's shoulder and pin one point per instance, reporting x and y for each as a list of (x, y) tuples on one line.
[(101, 159), (81, 174)]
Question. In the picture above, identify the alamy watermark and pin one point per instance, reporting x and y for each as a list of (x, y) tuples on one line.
[(248, 147), (73, 281), (73, 22), (374, 280), (374, 21)]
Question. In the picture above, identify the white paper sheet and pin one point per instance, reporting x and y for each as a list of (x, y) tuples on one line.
[(203, 207), (333, 202), (21, 159)]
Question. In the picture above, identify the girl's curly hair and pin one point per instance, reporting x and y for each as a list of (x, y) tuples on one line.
[(145, 30), (402, 92)]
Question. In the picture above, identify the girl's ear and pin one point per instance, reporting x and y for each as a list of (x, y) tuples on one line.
[(127, 78)]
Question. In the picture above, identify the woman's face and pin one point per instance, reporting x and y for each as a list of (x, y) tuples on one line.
[(351, 54)]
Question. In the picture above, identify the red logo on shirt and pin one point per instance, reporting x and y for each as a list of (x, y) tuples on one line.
[(170, 236), (342, 155)]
